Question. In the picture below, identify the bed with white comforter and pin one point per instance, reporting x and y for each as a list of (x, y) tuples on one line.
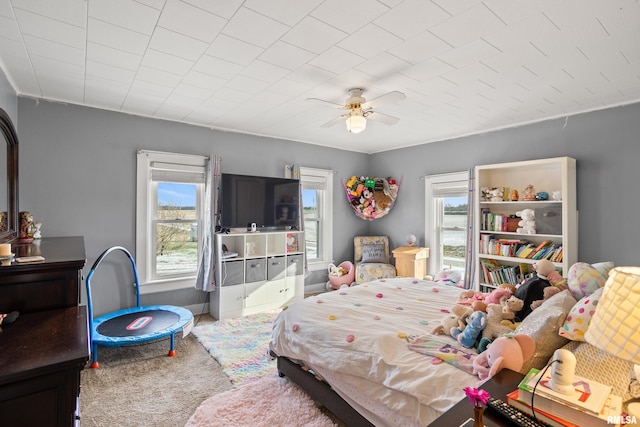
[(356, 340)]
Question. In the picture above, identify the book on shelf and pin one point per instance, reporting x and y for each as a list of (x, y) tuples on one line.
[(591, 403), (547, 418)]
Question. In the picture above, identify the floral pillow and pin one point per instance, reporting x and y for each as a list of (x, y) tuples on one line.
[(584, 279), (579, 317)]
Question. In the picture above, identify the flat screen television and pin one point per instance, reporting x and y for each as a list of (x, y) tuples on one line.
[(270, 203)]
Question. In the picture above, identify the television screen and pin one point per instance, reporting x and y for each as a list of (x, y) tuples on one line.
[(270, 203)]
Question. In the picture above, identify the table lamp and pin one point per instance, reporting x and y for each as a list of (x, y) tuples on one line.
[(615, 325)]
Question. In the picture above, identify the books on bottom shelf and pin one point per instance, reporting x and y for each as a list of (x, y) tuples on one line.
[(591, 404)]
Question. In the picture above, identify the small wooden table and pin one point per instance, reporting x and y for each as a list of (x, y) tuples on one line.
[(411, 261), (503, 383)]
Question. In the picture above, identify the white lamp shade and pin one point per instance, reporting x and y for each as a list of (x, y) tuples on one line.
[(356, 123), (615, 325)]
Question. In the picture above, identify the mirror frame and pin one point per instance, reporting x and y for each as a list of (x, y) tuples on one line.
[(11, 137)]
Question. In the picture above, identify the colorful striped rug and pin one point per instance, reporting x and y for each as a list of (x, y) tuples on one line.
[(240, 345)]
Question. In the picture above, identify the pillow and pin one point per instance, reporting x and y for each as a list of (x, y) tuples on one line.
[(542, 325), (603, 267), (579, 317), (374, 253), (584, 279)]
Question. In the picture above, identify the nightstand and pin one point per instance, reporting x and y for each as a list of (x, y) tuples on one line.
[(503, 383), (411, 261)]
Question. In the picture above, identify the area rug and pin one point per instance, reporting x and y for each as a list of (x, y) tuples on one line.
[(240, 345), (269, 401)]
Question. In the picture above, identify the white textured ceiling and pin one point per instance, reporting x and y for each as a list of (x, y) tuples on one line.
[(466, 66)]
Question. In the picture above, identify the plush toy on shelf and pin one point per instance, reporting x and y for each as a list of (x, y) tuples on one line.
[(527, 224)]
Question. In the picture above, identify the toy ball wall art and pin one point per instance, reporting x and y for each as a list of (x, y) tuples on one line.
[(371, 198)]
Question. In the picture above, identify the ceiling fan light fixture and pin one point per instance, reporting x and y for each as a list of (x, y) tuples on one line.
[(356, 123)]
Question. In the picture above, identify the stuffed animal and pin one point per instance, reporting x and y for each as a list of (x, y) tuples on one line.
[(533, 289), (448, 276), (527, 224), (508, 351), (511, 306), (337, 271), (476, 322), (456, 319), (382, 200), (496, 194), (497, 295), (494, 329), (547, 292), (557, 280)]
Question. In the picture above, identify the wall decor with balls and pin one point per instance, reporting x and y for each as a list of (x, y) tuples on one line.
[(370, 197)]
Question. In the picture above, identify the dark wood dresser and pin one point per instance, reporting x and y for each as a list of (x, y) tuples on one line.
[(43, 352)]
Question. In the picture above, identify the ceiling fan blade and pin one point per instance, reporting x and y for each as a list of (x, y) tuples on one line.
[(325, 103), (387, 98), (383, 118), (334, 121)]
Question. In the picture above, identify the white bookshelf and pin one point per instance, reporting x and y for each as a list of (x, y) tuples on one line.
[(546, 175)]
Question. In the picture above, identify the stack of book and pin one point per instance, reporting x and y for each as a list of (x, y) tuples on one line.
[(591, 403), (544, 250)]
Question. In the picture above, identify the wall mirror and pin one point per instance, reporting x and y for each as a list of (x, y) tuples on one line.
[(8, 179)]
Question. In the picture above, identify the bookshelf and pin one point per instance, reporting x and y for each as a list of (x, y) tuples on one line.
[(503, 255)]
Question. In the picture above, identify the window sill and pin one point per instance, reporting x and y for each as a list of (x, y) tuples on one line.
[(167, 285), (319, 265)]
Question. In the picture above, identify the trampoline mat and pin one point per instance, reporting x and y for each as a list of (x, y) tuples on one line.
[(139, 323)]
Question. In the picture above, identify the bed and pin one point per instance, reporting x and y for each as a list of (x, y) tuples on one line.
[(349, 349), (356, 340)]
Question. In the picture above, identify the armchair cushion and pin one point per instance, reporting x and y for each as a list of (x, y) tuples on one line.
[(371, 256)]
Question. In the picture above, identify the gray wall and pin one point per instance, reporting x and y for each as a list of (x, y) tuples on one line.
[(78, 177), (605, 144)]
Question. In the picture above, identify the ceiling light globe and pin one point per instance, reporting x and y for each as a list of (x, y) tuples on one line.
[(356, 124)]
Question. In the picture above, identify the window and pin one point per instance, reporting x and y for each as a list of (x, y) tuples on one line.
[(170, 189), (317, 206), (446, 211)]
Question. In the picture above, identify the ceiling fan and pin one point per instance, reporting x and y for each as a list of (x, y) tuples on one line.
[(359, 109)]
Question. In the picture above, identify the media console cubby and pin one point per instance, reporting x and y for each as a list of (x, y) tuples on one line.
[(257, 272)]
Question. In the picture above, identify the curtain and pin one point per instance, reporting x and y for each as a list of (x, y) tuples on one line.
[(205, 279), (470, 265), (293, 172)]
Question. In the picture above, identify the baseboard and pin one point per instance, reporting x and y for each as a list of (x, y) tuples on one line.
[(198, 309), (315, 288)]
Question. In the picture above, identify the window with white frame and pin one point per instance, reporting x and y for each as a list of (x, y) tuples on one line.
[(317, 204), (446, 211), (170, 189)]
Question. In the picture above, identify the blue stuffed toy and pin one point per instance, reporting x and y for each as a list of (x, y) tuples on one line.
[(475, 324)]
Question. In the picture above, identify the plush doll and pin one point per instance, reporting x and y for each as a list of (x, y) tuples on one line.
[(496, 194), (448, 276), (527, 224), (8, 318), (511, 306), (508, 351), (456, 319), (557, 280), (494, 329), (547, 292), (497, 295), (476, 322), (533, 289)]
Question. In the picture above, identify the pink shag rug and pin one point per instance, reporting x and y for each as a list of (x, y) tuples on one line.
[(269, 401)]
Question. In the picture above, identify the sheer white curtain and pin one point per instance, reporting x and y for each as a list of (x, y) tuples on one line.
[(205, 279), (470, 265)]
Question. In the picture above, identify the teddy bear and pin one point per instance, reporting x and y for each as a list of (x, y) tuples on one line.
[(508, 351), (456, 319), (547, 293), (382, 200), (476, 322), (527, 224), (494, 328), (511, 306), (533, 289), (496, 194)]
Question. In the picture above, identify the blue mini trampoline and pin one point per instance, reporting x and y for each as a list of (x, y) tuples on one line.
[(136, 324)]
